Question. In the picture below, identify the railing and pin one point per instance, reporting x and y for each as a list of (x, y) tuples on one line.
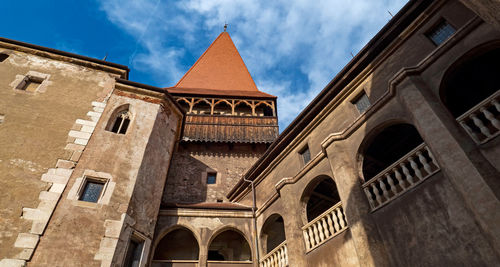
[(481, 122), (412, 169), (325, 226), (278, 257), (176, 263)]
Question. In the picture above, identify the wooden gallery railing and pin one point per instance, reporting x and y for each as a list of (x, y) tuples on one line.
[(278, 257), (404, 174), (482, 121), (325, 226)]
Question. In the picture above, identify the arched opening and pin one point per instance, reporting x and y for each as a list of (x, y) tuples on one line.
[(179, 244), (184, 105), (264, 110), (120, 120), (389, 146), (243, 109), (320, 196), (471, 92), (223, 108), (202, 107), (229, 245), (272, 233)]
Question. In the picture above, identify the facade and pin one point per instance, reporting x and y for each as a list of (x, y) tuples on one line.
[(394, 163)]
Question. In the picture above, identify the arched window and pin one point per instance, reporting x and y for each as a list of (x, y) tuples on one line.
[(264, 110), (322, 196), (202, 107), (120, 120), (394, 161), (229, 245), (223, 108), (471, 92), (179, 244), (389, 146), (243, 109), (272, 233)]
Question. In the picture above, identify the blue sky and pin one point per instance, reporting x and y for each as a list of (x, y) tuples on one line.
[(292, 48)]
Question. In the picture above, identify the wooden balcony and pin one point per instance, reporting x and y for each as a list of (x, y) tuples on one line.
[(235, 129)]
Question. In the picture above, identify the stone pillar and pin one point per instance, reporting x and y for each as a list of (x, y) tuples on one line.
[(293, 227), (470, 173), (488, 10), (202, 259), (366, 238)]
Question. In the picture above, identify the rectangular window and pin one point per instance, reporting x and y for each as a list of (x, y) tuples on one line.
[(211, 178), (362, 102), (441, 32), (3, 57), (30, 84), (92, 191), (134, 252), (305, 154)]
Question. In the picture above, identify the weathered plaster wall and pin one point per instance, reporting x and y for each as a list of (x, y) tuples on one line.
[(186, 182), (34, 132)]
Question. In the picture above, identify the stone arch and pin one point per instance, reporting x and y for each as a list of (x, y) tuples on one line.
[(272, 233), (386, 144), (177, 243), (318, 196), (470, 90), (229, 244)]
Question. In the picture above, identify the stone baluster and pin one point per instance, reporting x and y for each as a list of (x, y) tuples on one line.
[(325, 226), (376, 193), (330, 223), (370, 197), (484, 130), (278, 257), (407, 174), (415, 168), (496, 104), (391, 183), (399, 178), (490, 117), (384, 189), (306, 238), (312, 239), (340, 215), (424, 162), (316, 234), (335, 218), (285, 249), (472, 132), (320, 231), (275, 260), (433, 160)]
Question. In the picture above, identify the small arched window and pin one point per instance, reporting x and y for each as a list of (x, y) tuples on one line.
[(122, 120)]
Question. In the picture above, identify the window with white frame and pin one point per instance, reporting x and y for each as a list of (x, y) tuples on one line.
[(92, 189)]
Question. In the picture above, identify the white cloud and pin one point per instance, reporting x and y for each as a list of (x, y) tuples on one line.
[(292, 48)]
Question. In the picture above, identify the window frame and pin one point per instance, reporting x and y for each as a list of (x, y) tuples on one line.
[(302, 152), (87, 179), (209, 173), (137, 237), (359, 96), (432, 29)]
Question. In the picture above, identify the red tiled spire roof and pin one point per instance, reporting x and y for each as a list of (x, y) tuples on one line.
[(219, 71)]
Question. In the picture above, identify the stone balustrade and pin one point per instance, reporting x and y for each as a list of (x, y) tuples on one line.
[(482, 121), (322, 228), (404, 174), (278, 257)]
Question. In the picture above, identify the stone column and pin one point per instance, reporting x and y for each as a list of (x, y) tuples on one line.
[(470, 173), (202, 259), (367, 240), (488, 10), (293, 227)]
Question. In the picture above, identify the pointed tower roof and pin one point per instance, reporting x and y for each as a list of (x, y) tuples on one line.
[(219, 71)]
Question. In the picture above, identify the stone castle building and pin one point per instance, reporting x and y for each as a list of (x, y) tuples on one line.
[(395, 163)]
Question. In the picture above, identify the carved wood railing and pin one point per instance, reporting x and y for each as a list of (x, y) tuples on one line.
[(278, 257), (482, 121), (404, 174), (327, 225)]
